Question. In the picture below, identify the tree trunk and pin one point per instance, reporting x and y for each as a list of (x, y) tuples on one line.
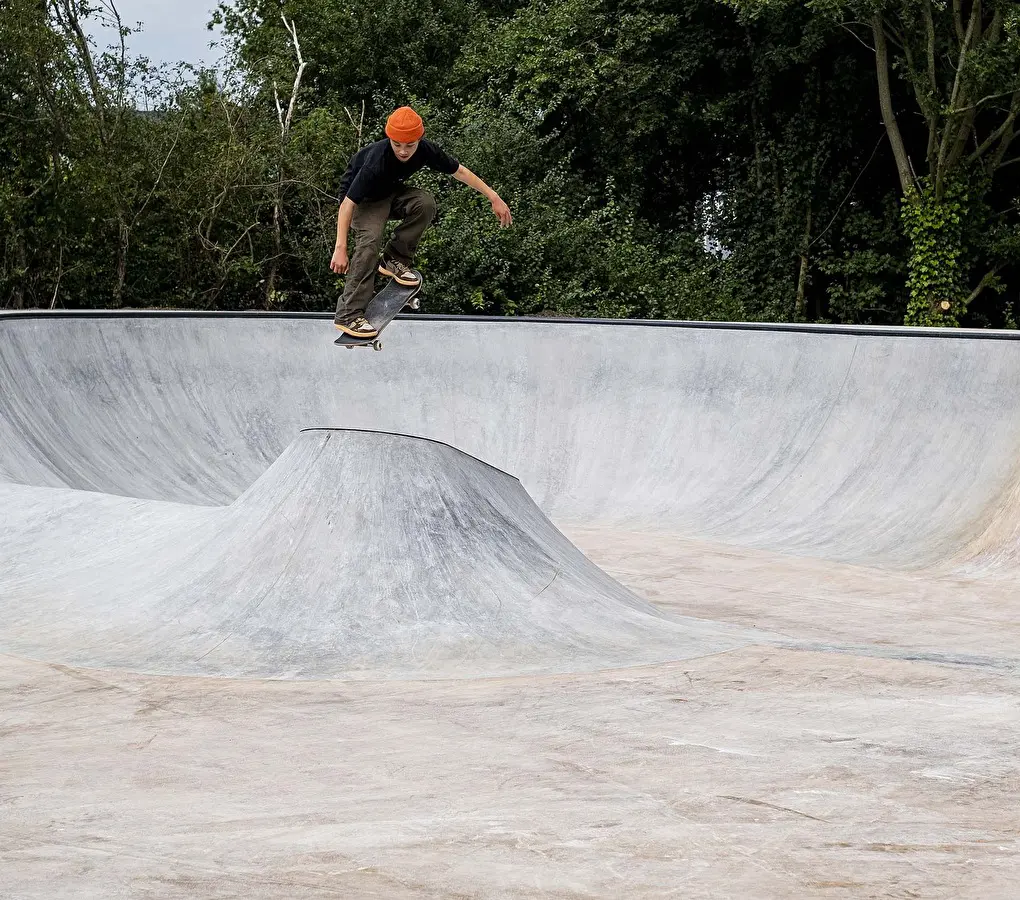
[(934, 227), (800, 313), (60, 275), (123, 243), (274, 262), (892, 127), (17, 300)]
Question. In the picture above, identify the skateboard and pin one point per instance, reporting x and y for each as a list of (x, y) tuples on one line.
[(382, 309)]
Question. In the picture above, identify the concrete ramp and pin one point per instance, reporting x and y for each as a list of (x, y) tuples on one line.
[(354, 554), (879, 447), (162, 509)]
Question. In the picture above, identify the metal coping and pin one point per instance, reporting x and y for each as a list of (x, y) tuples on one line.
[(791, 327)]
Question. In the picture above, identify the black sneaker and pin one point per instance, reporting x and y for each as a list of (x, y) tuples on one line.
[(356, 326), (400, 272)]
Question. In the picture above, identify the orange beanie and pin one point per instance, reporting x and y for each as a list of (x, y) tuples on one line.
[(405, 126)]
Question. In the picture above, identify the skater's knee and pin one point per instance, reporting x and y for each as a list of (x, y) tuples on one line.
[(425, 204), (367, 243)]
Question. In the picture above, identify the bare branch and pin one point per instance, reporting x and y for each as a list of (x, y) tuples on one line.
[(111, 7), (1004, 144), (888, 113), (960, 144), (850, 192), (933, 143), (933, 82), (162, 169), (357, 126), (982, 101), (39, 187), (975, 14), (846, 27), (279, 109), (292, 31), (67, 17), (985, 282), (958, 19), (929, 21), (805, 266), (913, 73), (60, 275), (994, 32), (960, 141), (244, 234), (1000, 133), (927, 98), (895, 36)]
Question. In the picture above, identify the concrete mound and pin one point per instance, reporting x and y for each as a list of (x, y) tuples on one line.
[(355, 554)]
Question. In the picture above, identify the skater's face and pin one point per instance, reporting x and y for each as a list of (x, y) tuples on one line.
[(402, 151)]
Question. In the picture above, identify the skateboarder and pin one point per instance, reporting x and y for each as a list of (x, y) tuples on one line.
[(373, 190)]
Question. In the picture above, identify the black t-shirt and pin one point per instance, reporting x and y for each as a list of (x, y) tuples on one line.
[(375, 172)]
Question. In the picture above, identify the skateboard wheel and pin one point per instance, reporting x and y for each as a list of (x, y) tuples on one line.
[(377, 345), (415, 304)]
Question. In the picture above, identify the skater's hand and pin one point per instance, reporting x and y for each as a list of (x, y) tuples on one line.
[(502, 212), (340, 261)]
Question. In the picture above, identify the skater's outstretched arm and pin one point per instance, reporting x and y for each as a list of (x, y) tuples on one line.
[(502, 211)]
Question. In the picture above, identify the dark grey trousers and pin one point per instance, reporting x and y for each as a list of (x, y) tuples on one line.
[(416, 209)]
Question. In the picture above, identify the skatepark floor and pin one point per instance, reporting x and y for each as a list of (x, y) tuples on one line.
[(866, 746), (760, 772)]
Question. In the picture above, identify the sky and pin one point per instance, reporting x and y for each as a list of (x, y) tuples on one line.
[(172, 30)]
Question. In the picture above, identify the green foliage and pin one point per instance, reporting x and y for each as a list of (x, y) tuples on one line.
[(567, 256), (378, 53), (865, 268), (631, 90), (703, 160), (935, 229), (953, 69)]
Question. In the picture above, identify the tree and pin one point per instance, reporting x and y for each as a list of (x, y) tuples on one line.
[(379, 52), (93, 140), (953, 65), (30, 175), (662, 159), (799, 176)]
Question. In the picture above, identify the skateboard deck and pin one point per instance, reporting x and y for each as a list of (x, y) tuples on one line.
[(382, 309)]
